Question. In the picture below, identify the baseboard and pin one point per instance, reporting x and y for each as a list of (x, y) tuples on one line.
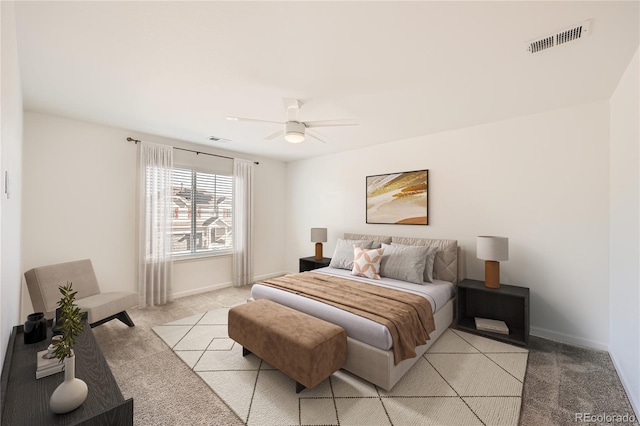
[(567, 338), (633, 399), (202, 290), (223, 285)]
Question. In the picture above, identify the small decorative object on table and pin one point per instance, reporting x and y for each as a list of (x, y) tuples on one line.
[(35, 328), (72, 392), (55, 329), (47, 364)]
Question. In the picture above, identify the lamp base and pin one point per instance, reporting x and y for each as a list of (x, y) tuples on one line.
[(318, 251), (491, 274)]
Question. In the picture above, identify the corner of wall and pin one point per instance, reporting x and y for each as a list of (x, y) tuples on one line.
[(11, 166), (624, 231)]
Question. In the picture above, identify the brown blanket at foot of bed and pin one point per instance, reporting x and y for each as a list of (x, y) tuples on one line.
[(408, 316)]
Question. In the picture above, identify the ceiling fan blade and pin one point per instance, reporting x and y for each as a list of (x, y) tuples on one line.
[(331, 123), (274, 135), (316, 135), (253, 120)]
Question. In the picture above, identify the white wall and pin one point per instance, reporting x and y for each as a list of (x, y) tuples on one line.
[(541, 180), (80, 202), (624, 252), (11, 162)]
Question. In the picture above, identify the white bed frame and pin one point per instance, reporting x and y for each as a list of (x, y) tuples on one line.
[(377, 366)]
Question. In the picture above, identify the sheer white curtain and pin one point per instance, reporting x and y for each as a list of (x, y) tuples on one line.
[(242, 222), (154, 240)]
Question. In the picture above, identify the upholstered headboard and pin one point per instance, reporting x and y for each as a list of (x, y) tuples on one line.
[(447, 265), (377, 239)]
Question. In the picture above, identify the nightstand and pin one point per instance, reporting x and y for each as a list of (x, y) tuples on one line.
[(507, 303), (311, 263)]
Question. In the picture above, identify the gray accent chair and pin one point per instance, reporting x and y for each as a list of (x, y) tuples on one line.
[(43, 283)]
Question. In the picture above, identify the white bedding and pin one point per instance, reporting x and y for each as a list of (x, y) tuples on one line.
[(357, 327)]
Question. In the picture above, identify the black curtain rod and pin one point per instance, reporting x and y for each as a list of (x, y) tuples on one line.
[(136, 141)]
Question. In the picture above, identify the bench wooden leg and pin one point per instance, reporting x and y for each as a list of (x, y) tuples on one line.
[(300, 387), (245, 351)]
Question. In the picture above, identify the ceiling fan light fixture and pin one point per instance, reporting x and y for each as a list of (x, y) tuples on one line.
[(294, 137), (294, 132)]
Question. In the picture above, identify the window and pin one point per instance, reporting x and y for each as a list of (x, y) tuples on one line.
[(202, 212)]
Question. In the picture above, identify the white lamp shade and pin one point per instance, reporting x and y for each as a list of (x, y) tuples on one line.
[(493, 248), (318, 235)]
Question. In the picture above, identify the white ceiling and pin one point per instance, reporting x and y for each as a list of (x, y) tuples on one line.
[(403, 69)]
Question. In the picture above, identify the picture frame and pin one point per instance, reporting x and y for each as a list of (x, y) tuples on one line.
[(398, 198)]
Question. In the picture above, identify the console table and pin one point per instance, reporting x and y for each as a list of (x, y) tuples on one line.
[(25, 399)]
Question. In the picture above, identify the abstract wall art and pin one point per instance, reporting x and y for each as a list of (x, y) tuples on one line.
[(398, 198)]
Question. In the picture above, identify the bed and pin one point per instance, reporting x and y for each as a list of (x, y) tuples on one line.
[(369, 344)]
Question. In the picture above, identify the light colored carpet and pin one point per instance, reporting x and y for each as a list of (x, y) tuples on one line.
[(463, 379)]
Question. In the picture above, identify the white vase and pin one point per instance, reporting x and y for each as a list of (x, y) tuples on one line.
[(71, 393)]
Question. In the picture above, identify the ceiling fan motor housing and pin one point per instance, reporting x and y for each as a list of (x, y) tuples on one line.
[(294, 132)]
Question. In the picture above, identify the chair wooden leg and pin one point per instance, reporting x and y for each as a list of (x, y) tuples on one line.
[(122, 316), (125, 318)]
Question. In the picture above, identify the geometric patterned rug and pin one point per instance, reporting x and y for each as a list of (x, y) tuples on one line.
[(463, 379)]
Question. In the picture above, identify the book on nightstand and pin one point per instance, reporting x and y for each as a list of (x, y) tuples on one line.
[(496, 326), (47, 366)]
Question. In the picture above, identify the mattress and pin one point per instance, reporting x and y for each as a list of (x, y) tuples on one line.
[(357, 327)]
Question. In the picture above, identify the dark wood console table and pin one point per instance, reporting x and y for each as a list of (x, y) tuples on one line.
[(25, 400)]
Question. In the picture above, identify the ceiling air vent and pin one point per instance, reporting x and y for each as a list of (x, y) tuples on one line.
[(574, 33)]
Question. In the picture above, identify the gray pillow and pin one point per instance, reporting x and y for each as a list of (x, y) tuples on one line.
[(431, 258), (404, 263), (343, 254)]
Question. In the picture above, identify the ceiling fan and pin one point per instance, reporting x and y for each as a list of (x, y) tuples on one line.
[(294, 130)]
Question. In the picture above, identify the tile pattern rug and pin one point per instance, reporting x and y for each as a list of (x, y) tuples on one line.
[(463, 379)]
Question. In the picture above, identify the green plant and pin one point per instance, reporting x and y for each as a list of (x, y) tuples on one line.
[(70, 323)]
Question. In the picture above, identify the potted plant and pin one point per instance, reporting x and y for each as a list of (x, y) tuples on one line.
[(72, 392)]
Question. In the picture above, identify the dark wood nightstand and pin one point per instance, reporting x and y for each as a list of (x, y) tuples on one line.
[(311, 263), (507, 303)]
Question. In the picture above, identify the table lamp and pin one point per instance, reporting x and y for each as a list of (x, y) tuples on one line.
[(492, 250), (318, 236)]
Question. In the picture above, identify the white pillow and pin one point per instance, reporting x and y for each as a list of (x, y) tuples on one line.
[(430, 259), (404, 263), (366, 263), (343, 254)]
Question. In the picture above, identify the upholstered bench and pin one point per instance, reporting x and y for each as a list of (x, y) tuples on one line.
[(303, 347)]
